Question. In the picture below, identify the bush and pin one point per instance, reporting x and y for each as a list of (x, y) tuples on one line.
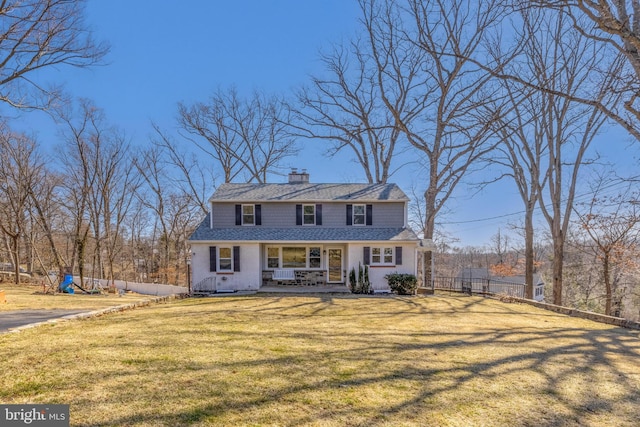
[(353, 282), (360, 284), (402, 284)]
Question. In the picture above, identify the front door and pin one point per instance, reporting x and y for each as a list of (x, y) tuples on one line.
[(335, 265)]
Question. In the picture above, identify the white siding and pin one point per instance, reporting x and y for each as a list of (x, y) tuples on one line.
[(355, 254), (248, 278)]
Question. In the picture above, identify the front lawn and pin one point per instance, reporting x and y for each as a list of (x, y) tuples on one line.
[(326, 360), (31, 297)]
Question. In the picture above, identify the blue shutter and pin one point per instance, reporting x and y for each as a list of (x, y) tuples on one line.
[(298, 214), (236, 258), (258, 214), (367, 255), (369, 215), (238, 215), (318, 214), (213, 261), (349, 214), (398, 255)]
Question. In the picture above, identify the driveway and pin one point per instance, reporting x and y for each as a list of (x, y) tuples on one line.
[(17, 318)]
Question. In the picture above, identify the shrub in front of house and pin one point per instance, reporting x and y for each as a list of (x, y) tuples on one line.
[(402, 284), (359, 282)]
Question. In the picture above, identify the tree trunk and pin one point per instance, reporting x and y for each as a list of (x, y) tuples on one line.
[(558, 253), (607, 284), (528, 253)]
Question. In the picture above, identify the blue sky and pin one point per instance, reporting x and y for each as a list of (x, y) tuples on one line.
[(165, 52)]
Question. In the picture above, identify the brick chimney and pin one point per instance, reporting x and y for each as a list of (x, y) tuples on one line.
[(296, 177)]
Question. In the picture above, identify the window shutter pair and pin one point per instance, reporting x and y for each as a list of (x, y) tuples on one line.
[(257, 212), (318, 214), (213, 258), (366, 255), (368, 212)]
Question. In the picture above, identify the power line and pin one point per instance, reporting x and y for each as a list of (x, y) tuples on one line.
[(492, 218)]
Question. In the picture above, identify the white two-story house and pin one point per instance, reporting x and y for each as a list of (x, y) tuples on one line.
[(301, 233)]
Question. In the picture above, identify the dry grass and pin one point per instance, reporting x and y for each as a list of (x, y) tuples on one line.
[(329, 361), (31, 297)]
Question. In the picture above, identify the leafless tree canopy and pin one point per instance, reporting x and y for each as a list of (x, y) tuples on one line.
[(610, 222), (344, 109), (37, 34), (247, 138), (20, 170)]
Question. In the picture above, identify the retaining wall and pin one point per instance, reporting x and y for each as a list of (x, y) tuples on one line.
[(610, 320)]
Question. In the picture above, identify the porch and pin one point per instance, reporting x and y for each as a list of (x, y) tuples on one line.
[(285, 277)]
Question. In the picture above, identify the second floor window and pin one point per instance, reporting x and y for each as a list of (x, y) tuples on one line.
[(248, 214), (359, 214), (308, 215)]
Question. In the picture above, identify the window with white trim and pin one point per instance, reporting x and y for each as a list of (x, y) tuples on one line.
[(308, 214), (294, 257), (273, 257), (381, 255), (359, 214), (315, 257), (248, 215), (225, 259)]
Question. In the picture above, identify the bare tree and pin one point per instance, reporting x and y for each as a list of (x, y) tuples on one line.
[(173, 209), (420, 57), (37, 34), (20, 169), (614, 25), (190, 175), (99, 185), (611, 223), (46, 206), (421, 51), (248, 138), (345, 109), (113, 194), (547, 135)]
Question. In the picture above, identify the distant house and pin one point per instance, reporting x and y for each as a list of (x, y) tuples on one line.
[(301, 233), (481, 280)]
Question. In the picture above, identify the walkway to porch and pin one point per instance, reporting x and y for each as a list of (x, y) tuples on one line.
[(293, 289)]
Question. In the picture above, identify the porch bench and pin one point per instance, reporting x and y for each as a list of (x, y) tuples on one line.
[(284, 274)]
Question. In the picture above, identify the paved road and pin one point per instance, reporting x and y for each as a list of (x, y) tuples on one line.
[(14, 319)]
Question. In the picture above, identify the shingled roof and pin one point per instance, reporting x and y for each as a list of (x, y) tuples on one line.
[(303, 192), (292, 234)]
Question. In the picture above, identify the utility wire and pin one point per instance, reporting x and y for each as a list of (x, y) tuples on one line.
[(470, 221)]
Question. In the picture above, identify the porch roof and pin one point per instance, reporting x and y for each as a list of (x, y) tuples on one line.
[(301, 234)]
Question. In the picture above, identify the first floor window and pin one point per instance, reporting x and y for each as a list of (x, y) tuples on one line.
[(225, 259), (314, 257), (381, 255), (273, 257), (294, 257)]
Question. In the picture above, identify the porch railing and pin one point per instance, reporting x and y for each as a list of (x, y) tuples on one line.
[(206, 285)]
